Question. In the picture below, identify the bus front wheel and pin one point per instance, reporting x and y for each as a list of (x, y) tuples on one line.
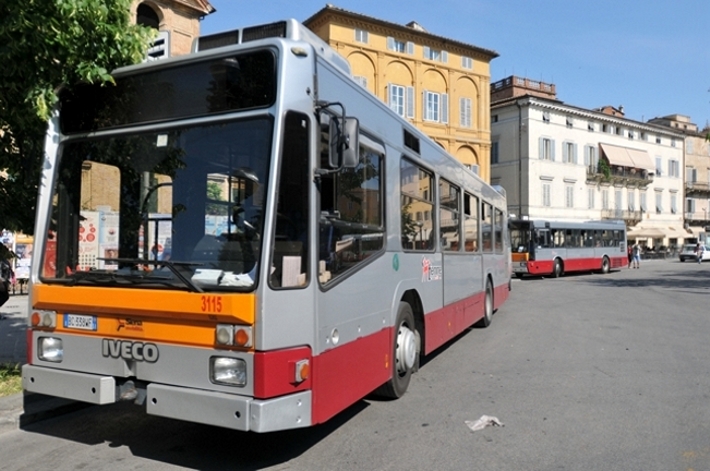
[(405, 354)]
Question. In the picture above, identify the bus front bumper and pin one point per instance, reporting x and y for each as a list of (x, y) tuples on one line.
[(520, 267), (189, 404)]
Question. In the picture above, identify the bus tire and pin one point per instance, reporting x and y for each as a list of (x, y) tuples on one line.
[(605, 265), (405, 354), (557, 268), (519, 276), (487, 308)]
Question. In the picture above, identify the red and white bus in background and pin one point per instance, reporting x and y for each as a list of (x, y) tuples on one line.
[(246, 237), (548, 247)]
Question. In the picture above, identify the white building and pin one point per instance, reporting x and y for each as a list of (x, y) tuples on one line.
[(559, 161)]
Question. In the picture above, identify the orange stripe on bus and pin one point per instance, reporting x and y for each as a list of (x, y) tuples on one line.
[(519, 257), (233, 308)]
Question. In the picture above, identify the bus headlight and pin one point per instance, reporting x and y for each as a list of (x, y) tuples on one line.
[(50, 349), (228, 371)]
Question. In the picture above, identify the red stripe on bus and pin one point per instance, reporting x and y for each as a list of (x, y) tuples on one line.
[(446, 323), (544, 267), (275, 372), (500, 295), (346, 374)]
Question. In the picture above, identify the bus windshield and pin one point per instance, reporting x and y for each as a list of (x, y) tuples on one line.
[(519, 236), (179, 208)]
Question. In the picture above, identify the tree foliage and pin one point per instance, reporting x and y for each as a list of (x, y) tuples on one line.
[(45, 44)]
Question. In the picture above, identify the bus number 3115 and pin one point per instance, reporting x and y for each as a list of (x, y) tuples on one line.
[(211, 304)]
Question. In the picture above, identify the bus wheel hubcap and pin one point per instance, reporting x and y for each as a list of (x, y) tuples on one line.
[(406, 349)]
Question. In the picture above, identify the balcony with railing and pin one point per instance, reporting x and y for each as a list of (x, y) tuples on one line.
[(697, 218), (627, 176), (695, 188), (630, 217)]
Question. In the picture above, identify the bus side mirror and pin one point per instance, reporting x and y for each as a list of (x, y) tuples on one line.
[(344, 143)]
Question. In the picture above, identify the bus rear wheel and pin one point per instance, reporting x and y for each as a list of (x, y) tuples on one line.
[(605, 265), (405, 354), (487, 308), (557, 268)]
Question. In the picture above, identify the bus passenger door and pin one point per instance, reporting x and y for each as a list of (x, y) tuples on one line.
[(463, 261)]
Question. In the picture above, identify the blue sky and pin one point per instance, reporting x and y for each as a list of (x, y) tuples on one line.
[(652, 57)]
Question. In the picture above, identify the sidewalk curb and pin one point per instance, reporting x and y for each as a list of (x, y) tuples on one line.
[(25, 408)]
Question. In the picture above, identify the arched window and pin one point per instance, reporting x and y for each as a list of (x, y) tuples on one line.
[(146, 16)]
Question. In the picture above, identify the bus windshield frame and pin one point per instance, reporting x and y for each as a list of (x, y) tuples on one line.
[(179, 208)]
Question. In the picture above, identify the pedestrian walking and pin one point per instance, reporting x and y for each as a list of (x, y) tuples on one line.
[(700, 251), (636, 250), (629, 253)]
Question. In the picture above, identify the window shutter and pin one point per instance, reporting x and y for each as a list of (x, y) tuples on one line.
[(444, 57), (427, 52), (410, 102), (445, 108), (586, 156), (462, 112), (390, 43), (425, 114), (552, 150), (565, 152), (574, 149), (410, 47), (541, 148)]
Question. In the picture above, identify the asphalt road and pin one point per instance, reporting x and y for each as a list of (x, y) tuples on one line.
[(588, 372)]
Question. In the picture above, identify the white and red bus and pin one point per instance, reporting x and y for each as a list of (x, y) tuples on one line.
[(548, 247), (245, 237)]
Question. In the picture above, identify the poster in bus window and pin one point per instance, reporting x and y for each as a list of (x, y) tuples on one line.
[(23, 251), (159, 237), (88, 240), (108, 238), (215, 225)]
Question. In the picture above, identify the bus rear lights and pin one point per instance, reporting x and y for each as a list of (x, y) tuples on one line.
[(236, 335), (44, 319), (302, 370), (228, 371), (50, 349)]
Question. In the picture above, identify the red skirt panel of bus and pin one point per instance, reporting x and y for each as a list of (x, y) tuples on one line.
[(446, 323), (275, 372), (545, 267), (542, 267), (346, 374)]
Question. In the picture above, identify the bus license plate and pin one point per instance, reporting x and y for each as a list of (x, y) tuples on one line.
[(77, 321)]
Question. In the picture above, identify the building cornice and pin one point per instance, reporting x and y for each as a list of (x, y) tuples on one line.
[(331, 14), (559, 106)]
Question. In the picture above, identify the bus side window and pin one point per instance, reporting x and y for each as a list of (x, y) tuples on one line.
[(470, 228), (351, 219)]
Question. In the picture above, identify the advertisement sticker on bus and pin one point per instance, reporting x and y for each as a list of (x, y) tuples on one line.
[(430, 272)]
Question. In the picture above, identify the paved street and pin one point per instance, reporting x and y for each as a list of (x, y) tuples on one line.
[(587, 372), (13, 320)]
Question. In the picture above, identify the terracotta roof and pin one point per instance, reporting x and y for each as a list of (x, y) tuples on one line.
[(411, 30)]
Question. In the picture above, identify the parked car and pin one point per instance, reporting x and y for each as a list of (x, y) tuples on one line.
[(688, 253)]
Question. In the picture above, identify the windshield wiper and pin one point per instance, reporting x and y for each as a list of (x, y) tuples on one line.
[(150, 276), (117, 278)]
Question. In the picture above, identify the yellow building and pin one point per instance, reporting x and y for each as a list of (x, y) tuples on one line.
[(440, 85)]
